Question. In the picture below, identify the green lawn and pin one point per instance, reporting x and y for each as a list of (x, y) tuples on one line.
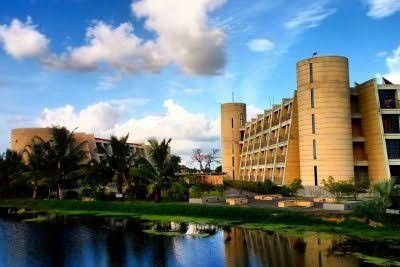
[(292, 222)]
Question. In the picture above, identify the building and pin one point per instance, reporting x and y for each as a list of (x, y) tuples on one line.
[(93, 146), (326, 129)]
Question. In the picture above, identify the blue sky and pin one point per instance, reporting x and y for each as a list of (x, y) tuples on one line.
[(162, 67)]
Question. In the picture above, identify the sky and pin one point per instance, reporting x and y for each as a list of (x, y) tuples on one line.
[(161, 68)]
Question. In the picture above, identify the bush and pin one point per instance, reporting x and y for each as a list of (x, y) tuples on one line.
[(347, 188), (71, 194), (255, 187)]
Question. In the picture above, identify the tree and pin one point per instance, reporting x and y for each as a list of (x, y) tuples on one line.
[(96, 175), (382, 195), (295, 186), (38, 171), (337, 189), (218, 169), (120, 160), (67, 157), (158, 168), (11, 165), (204, 160), (357, 188)]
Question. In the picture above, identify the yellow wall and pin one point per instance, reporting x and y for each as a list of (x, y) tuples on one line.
[(230, 136), (332, 112), (378, 166), (292, 169)]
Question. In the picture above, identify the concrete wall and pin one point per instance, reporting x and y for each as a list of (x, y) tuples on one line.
[(375, 146), (22, 137), (333, 132), (230, 137)]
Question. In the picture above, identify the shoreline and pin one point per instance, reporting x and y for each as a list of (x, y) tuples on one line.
[(283, 221)]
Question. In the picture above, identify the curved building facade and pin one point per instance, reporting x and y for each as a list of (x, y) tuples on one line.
[(324, 118), (233, 119)]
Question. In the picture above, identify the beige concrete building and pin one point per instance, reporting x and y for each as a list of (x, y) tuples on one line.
[(93, 146), (326, 129)]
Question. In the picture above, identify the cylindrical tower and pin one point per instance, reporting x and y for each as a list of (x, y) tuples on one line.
[(324, 117), (233, 119), (22, 137)]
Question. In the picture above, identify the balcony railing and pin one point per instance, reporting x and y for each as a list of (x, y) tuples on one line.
[(278, 179), (258, 129), (257, 146), (286, 117), (248, 162), (280, 158), (270, 160), (275, 122), (261, 161)]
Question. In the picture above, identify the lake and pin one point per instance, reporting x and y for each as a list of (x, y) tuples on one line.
[(66, 241)]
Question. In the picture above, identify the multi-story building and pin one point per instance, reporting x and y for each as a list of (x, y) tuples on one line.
[(326, 129), (93, 147)]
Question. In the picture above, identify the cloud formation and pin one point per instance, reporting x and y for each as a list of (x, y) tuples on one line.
[(185, 40), (22, 40), (260, 45), (188, 130), (310, 16), (378, 9), (393, 64)]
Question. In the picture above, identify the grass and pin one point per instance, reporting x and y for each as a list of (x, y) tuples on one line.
[(283, 221)]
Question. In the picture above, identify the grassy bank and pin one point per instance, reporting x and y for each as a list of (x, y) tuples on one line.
[(292, 222)]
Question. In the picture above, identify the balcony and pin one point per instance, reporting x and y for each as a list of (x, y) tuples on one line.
[(261, 161), (286, 117), (275, 122), (278, 179), (360, 157), (248, 162), (280, 159), (283, 138), (257, 146), (258, 130), (270, 160), (263, 144), (272, 141)]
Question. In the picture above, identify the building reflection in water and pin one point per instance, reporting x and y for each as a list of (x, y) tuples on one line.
[(259, 248)]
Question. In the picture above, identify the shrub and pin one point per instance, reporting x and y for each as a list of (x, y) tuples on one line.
[(195, 192), (341, 189), (295, 186), (255, 187), (71, 194)]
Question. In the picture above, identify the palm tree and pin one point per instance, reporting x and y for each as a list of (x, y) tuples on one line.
[(38, 165), (67, 157), (11, 165), (159, 167), (120, 159)]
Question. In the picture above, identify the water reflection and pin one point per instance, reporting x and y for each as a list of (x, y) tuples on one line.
[(65, 241)]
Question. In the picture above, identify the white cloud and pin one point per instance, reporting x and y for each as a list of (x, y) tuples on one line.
[(22, 40), (260, 45), (382, 8), (253, 111), (187, 130), (393, 65), (185, 39), (310, 16)]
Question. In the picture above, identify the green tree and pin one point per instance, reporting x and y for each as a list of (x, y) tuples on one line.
[(96, 175), (11, 165), (295, 186), (159, 168), (120, 159), (67, 157), (38, 158)]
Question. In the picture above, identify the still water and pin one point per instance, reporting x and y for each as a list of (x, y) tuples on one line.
[(66, 241)]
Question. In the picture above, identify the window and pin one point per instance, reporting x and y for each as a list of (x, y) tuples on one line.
[(311, 73), (233, 174), (312, 97), (233, 149), (393, 148), (314, 149), (233, 162), (241, 119), (232, 122), (313, 123), (315, 176)]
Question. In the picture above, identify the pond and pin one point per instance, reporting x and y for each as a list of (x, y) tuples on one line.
[(51, 240)]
